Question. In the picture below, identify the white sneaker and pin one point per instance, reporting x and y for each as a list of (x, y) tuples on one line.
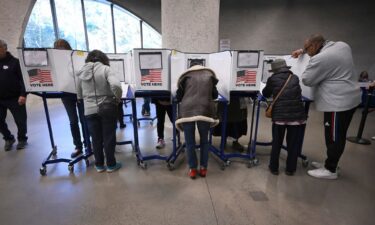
[(322, 173), (318, 165), (373, 138), (161, 144)]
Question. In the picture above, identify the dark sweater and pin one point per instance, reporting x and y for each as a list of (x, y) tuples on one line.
[(11, 81), (289, 106)]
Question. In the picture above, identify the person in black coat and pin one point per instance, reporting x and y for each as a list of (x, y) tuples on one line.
[(288, 115), (12, 97)]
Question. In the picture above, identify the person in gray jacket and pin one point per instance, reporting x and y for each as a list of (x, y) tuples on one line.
[(196, 92), (336, 93), (98, 84)]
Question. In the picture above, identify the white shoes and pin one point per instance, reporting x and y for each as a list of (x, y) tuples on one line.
[(373, 138), (318, 165), (323, 173)]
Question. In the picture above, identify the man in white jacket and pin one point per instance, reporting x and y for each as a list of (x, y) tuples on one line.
[(336, 93)]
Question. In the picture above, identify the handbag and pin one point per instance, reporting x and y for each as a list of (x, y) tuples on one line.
[(108, 108), (270, 106)]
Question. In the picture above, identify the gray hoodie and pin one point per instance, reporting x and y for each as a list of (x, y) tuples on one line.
[(331, 73), (107, 86)]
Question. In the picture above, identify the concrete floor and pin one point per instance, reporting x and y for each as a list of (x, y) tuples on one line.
[(237, 195)]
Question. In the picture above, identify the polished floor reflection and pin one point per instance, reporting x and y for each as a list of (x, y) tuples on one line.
[(236, 195)]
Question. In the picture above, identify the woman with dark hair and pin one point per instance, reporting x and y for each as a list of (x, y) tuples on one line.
[(70, 104), (98, 85)]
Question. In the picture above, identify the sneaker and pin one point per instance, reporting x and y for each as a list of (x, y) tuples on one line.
[(161, 144), (237, 146), (193, 173), (203, 172), (318, 165), (322, 173), (76, 152), (146, 113), (373, 138), (8, 144), (100, 169), (21, 145), (111, 169)]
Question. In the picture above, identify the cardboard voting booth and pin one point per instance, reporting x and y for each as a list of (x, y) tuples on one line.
[(119, 64), (53, 70), (151, 69), (247, 67), (236, 70), (47, 70), (297, 67)]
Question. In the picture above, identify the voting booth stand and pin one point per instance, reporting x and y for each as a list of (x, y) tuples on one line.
[(152, 79), (297, 67), (46, 78), (239, 74), (49, 73)]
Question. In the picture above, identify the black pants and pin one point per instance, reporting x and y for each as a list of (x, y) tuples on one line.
[(19, 115), (120, 110), (103, 134), (71, 105), (294, 139), (336, 125), (160, 115)]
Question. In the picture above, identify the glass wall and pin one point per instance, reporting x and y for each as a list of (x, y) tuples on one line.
[(88, 27), (151, 38), (99, 26), (40, 31), (127, 30), (70, 23)]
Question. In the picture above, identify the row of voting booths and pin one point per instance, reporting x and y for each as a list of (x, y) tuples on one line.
[(155, 70)]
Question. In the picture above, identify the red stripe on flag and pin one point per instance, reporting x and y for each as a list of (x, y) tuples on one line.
[(249, 77), (153, 76)]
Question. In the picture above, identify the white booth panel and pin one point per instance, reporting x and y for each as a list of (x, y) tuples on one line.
[(221, 64), (118, 65), (151, 69), (37, 70), (178, 66), (298, 66), (247, 67), (62, 67)]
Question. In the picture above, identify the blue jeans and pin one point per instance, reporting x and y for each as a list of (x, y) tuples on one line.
[(189, 131)]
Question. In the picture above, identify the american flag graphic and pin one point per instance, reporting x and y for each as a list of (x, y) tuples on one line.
[(39, 75), (246, 76), (151, 75)]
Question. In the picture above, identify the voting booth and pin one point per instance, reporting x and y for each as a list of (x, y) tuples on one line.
[(53, 70), (47, 70), (247, 67), (151, 69), (298, 66)]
